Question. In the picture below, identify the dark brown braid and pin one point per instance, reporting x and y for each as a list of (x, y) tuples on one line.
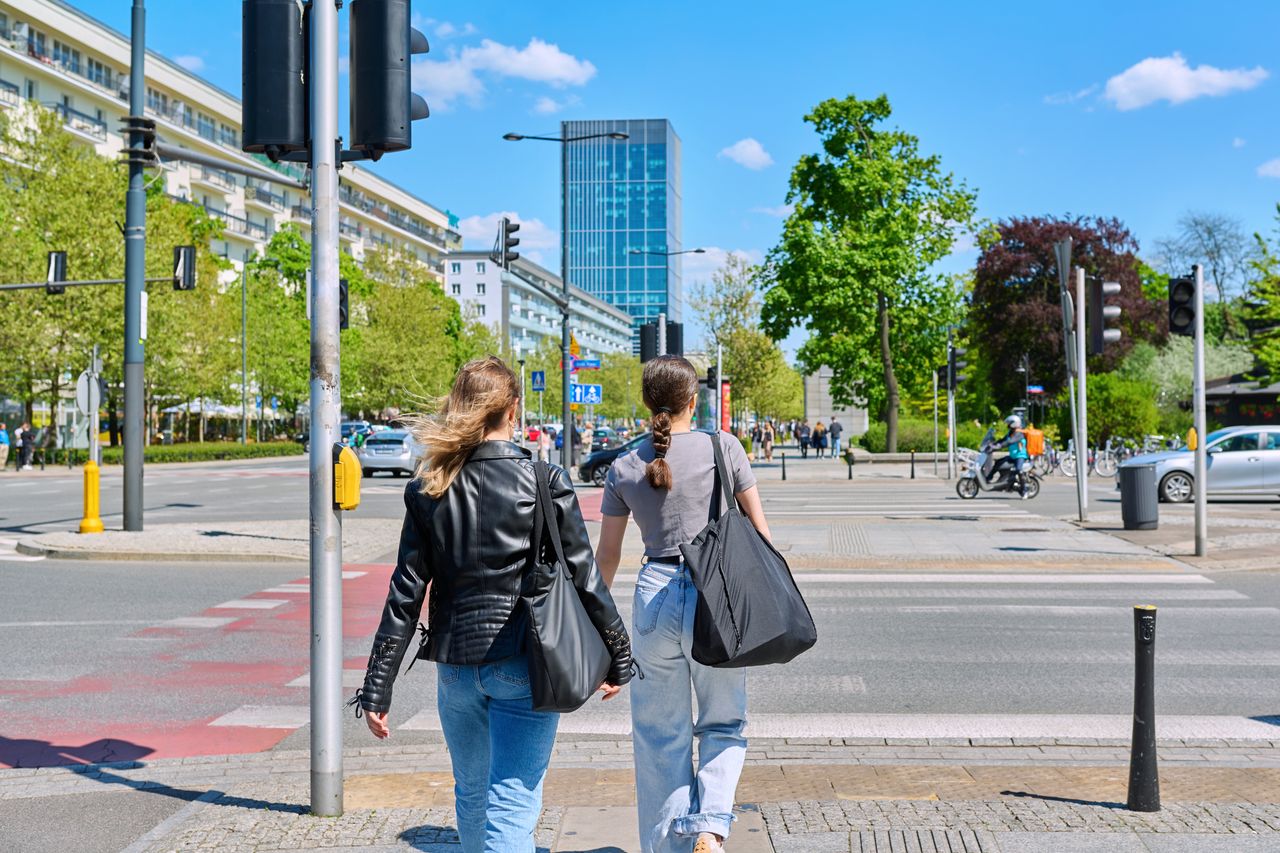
[(668, 385)]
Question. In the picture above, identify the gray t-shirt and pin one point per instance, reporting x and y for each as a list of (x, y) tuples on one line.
[(669, 519)]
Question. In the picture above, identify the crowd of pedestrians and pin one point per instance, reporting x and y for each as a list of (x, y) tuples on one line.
[(822, 437), (21, 445)]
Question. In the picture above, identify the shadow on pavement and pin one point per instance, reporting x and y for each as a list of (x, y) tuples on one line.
[(432, 838), (1027, 795)]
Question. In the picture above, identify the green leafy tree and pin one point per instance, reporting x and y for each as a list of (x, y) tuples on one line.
[(854, 265), (1263, 311)]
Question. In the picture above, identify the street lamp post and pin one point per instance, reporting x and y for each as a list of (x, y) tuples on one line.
[(566, 357)]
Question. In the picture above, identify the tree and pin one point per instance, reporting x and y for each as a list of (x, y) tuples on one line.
[(1016, 308), (1120, 407), (1263, 306), (872, 216), (1220, 244)]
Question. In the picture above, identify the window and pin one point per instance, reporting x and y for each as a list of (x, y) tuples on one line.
[(455, 267), (98, 73), (31, 89), (157, 102), (227, 135), (204, 127), (456, 288), (480, 267), (480, 309), (480, 288), (67, 57)]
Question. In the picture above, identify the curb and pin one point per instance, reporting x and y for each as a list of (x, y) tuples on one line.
[(32, 549)]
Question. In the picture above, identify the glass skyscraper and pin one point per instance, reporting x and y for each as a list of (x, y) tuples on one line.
[(625, 195)]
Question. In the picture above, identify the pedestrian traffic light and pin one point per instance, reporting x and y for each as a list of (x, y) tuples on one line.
[(712, 376), (344, 310), (275, 37), (1182, 306), (675, 338), (648, 342), (184, 267), (955, 363), (507, 241), (1102, 317), (383, 104), (57, 274)]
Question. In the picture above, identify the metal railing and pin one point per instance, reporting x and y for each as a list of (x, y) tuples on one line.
[(301, 211), (82, 122), (350, 229), (217, 177), (238, 224), (10, 94), (262, 195)]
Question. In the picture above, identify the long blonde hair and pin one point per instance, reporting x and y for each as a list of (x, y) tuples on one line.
[(482, 393)]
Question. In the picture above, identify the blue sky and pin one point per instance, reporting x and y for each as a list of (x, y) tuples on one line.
[(1139, 110)]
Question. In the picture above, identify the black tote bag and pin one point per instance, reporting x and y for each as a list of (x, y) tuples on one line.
[(568, 660), (749, 611)]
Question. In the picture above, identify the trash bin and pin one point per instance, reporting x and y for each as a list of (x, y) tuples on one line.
[(1139, 500)]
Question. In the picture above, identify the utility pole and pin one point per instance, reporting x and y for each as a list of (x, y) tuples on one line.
[(1062, 250), (135, 288), (244, 351), (951, 412), (1199, 418), (935, 422), (1082, 438), (718, 392)]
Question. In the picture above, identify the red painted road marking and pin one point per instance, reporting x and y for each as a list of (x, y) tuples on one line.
[(590, 503)]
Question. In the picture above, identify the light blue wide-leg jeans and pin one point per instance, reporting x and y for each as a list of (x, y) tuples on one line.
[(675, 799)]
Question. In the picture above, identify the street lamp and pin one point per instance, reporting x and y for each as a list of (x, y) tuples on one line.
[(668, 254), (566, 358)]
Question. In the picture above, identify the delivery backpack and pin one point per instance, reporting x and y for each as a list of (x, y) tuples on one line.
[(749, 611)]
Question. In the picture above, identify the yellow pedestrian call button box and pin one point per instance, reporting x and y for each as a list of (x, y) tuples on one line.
[(346, 477)]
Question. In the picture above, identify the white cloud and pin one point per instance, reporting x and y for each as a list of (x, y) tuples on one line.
[(548, 106), (460, 74), (446, 30), (1170, 78), (194, 64), (1270, 169), (479, 232), (698, 268), (1070, 97), (1237, 143), (782, 211), (749, 153)]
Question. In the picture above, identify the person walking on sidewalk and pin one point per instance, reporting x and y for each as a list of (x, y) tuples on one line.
[(802, 435), (4, 445), (819, 438), (834, 431), (667, 483), (477, 627), (26, 447)]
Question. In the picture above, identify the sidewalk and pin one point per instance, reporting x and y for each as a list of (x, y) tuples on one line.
[(799, 796), (1246, 539)]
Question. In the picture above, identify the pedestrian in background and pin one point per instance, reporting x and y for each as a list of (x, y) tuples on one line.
[(802, 436), (26, 447), (834, 431), (4, 445), (668, 483), (477, 628), (544, 445), (819, 438), (769, 436)]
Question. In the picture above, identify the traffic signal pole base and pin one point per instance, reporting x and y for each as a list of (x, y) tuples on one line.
[(92, 521)]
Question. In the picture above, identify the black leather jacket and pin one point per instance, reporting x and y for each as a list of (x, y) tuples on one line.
[(472, 545)]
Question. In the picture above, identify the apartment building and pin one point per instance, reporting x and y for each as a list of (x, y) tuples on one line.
[(57, 56), (524, 316)]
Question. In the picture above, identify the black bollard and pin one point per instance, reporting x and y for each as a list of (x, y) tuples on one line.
[(913, 464), (784, 465), (1144, 778), (848, 458)]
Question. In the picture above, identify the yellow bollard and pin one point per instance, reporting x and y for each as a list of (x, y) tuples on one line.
[(91, 523)]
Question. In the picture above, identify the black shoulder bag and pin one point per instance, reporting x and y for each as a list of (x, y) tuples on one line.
[(749, 611), (568, 660)]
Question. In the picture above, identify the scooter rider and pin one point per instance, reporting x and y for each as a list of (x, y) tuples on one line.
[(1016, 441)]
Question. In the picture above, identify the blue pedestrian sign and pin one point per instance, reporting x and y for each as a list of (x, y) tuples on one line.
[(539, 380), (590, 395)]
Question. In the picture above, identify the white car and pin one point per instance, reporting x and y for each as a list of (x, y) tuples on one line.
[(391, 450), (1243, 460)]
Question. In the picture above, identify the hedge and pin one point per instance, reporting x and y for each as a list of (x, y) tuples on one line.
[(917, 435), (188, 452)]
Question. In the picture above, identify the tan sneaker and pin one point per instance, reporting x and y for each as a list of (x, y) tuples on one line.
[(707, 844)]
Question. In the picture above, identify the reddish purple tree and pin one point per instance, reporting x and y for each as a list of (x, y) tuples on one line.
[(1016, 309)]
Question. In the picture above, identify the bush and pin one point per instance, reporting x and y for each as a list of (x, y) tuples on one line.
[(917, 435), (196, 452)]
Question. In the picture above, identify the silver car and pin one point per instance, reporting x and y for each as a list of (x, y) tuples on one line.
[(391, 450), (1243, 460)]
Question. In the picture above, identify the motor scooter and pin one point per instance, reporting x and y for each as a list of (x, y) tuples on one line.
[(974, 478)]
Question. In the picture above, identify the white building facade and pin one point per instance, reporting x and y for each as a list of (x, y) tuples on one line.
[(524, 316), (56, 56)]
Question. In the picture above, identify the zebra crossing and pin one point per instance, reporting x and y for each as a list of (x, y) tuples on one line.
[(9, 552), (891, 499)]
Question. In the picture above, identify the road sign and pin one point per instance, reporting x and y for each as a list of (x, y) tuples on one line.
[(88, 393), (591, 395), (539, 380), (586, 363), (275, 403), (574, 349), (1035, 389)]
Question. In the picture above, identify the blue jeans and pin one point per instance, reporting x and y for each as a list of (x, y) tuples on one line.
[(835, 448), (500, 748), (677, 801)]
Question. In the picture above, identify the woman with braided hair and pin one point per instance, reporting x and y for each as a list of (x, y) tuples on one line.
[(667, 483)]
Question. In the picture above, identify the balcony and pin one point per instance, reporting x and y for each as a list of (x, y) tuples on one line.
[(350, 230), (238, 224), (263, 197), (10, 95), (81, 122), (301, 211), (213, 177)]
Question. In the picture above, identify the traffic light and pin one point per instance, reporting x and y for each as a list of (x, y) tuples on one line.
[(955, 364), (675, 338), (1182, 306), (1102, 316), (711, 377), (184, 267), (344, 310), (274, 39), (57, 273), (508, 241), (648, 342), (146, 155), (383, 106)]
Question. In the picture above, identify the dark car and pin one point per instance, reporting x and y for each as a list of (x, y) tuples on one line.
[(596, 466)]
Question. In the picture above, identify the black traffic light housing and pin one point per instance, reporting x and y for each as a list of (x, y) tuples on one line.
[(344, 305), (508, 241), (648, 342), (1101, 315), (146, 127), (184, 267), (56, 274), (675, 338), (955, 364), (1182, 306), (383, 104), (712, 377), (275, 35)]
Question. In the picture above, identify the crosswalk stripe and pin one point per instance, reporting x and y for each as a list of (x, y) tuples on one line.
[(1099, 578)]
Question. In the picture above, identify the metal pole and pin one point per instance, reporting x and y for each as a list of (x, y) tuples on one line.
[(1062, 251), (95, 452), (1082, 437), (135, 264), (951, 416), (244, 351), (522, 395), (1144, 778), (566, 448), (662, 333), (935, 422), (718, 392), (326, 523), (1200, 419)]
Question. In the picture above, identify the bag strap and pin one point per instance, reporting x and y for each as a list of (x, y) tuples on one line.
[(722, 480), (547, 507)]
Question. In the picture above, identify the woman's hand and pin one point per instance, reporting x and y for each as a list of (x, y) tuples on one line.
[(377, 724), (608, 690)]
